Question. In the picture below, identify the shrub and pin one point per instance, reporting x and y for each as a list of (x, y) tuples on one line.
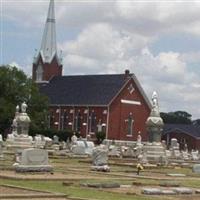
[(63, 135), (100, 136)]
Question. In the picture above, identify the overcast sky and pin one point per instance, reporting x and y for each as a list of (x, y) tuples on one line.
[(159, 41)]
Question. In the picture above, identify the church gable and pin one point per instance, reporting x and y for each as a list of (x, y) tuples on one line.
[(128, 112)]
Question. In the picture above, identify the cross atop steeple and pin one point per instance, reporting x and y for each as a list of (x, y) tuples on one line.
[(48, 47)]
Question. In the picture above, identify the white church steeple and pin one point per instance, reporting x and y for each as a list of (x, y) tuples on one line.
[(48, 47), (47, 63)]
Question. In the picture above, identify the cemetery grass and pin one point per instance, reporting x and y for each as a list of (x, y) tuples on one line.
[(93, 193), (75, 191), (74, 166)]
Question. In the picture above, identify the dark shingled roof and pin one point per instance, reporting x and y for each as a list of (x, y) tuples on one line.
[(83, 90), (188, 129)]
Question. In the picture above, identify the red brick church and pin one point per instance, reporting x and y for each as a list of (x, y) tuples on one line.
[(113, 103)]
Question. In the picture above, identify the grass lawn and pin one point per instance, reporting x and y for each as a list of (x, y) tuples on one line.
[(72, 166)]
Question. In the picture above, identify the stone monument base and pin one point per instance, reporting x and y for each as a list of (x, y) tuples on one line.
[(19, 143), (103, 168), (32, 168), (155, 153)]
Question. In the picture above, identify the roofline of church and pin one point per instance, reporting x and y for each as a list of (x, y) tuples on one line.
[(79, 105), (182, 131), (139, 88)]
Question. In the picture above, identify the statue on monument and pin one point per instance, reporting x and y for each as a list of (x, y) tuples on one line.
[(155, 106), (154, 122), (139, 138), (23, 107), (155, 99)]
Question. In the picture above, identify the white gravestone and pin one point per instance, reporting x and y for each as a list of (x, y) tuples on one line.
[(74, 139), (195, 155), (100, 159), (39, 141), (1, 146), (33, 160), (78, 148)]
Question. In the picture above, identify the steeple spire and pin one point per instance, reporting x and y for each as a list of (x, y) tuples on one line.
[(47, 63), (48, 47)]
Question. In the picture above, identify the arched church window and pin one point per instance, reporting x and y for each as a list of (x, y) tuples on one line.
[(39, 73), (51, 120), (92, 122), (78, 122), (129, 124), (65, 120)]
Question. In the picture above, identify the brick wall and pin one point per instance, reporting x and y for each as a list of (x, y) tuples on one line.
[(49, 70), (119, 112)]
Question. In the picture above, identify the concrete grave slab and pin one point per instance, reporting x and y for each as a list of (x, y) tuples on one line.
[(183, 190), (151, 191), (176, 175), (168, 192)]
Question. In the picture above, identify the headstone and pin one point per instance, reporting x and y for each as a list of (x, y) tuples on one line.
[(113, 151), (174, 143), (39, 141), (33, 160), (127, 152), (195, 155), (100, 159), (55, 139), (82, 147), (168, 153), (74, 139), (196, 168), (1, 146), (89, 147), (78, 148), (185, 155), (48, 142), (176, 154)]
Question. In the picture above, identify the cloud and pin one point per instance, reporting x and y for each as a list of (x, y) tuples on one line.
[(116, 35), (101, 48), (13, 11), (26, 68), (144, 18), (177, 86)]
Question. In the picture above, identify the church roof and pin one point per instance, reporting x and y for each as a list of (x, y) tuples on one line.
[(189, 129), (98, 90)]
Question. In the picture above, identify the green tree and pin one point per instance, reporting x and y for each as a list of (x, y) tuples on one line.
[(177, 117), (15, 88)]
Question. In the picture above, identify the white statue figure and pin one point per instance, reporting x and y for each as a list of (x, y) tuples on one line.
[(139, 138), (17, 109), (74, 139), (155, 100), (99, 126), (23, 107)]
